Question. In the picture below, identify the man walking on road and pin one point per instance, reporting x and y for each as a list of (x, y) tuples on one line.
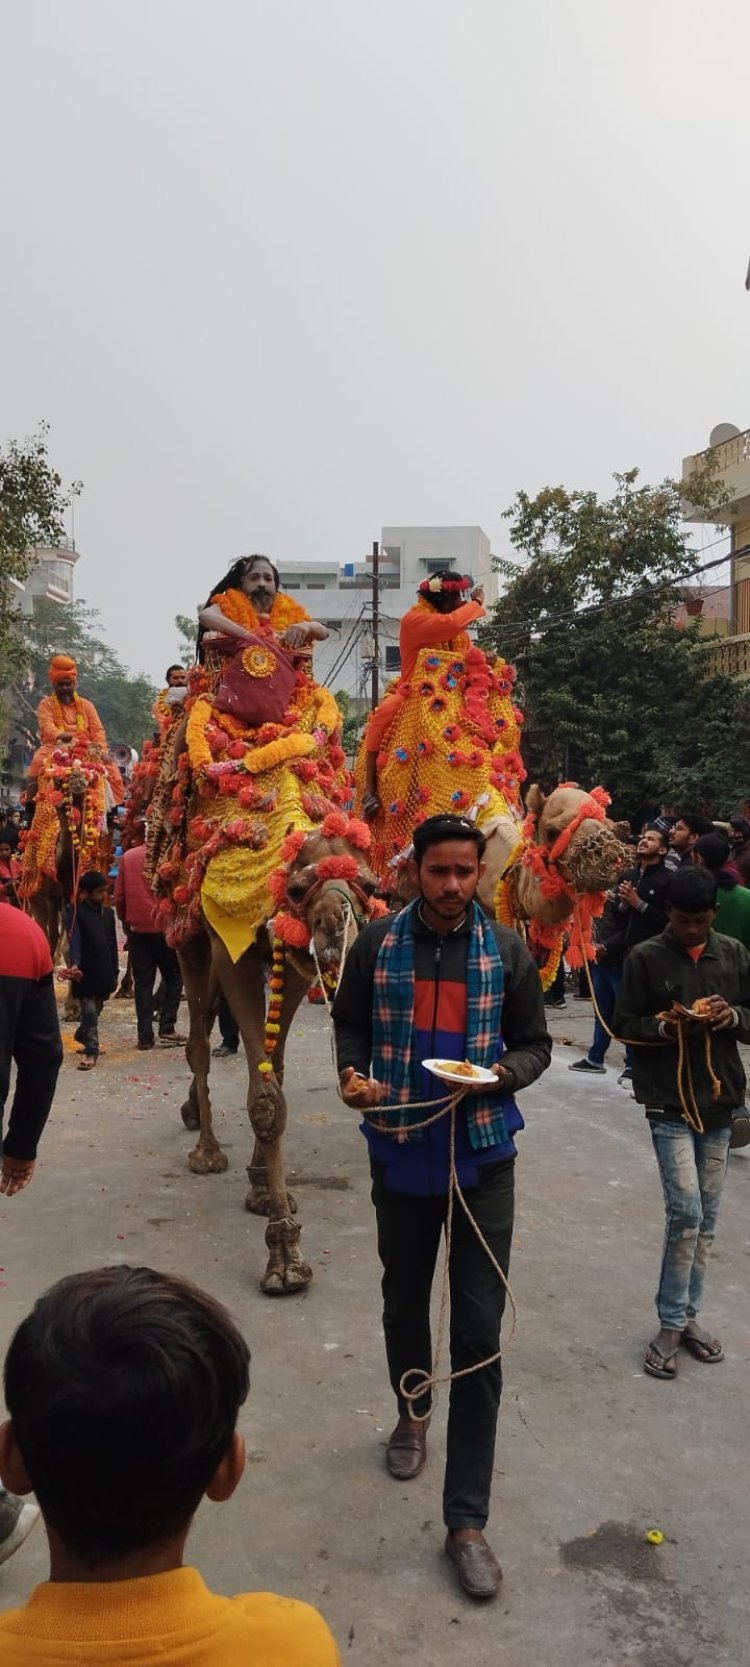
[(30, 1037), (686, 963), (442, 979), (149, 952), (635, 912)]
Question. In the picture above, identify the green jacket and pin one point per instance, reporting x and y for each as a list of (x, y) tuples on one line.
[(656, 974)]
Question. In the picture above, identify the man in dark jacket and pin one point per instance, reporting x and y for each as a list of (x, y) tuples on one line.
[(441, 979), (94, 966), (687, 962), (30, 1036), (636, 911), (682, 836)]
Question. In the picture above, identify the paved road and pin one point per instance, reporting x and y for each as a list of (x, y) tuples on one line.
[(591, 1453)]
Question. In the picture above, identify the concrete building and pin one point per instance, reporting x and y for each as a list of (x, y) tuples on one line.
[(51, 579), (729, 452), (341, 596)]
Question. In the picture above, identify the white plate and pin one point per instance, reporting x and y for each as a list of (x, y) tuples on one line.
[(481, 1074)]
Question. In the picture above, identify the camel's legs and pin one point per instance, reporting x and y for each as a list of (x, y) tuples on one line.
[(243, 986), (207, 1157)]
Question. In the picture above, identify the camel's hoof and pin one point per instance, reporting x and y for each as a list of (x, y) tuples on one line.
[(284, 1282), (190, 1115), (286, 1271), (212, 1162)]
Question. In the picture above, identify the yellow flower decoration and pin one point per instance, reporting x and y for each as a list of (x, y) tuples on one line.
[(258, 662), (278, 752), (198, 747)]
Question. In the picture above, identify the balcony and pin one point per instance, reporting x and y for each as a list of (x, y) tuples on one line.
[(731, 460), (730, 656)]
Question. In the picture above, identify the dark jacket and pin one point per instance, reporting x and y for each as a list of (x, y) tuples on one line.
[(652, 885), (421, 1167), (93, 947), (29, 1032), (659, 973), (609, 931)]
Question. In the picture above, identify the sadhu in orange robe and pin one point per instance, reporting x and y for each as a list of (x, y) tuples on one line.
[(80, 719), (422, 627)]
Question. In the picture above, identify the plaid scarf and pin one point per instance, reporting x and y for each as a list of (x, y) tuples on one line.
[(393, 1024)]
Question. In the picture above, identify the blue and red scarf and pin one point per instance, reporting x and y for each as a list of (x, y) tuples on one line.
[(393, 1025)]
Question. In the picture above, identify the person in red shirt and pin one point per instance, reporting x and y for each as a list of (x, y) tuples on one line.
[(149, 952), (30, 1037)]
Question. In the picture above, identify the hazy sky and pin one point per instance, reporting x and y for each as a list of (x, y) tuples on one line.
[(279, 271)]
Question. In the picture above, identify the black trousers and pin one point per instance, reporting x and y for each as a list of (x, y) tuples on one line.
[(230, 1034), (150, 953), (409, 1234)]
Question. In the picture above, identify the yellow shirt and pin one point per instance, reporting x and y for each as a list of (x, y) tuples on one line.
[(167, 1619)]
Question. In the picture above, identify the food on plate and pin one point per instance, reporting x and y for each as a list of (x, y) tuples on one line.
[(458, 1068)]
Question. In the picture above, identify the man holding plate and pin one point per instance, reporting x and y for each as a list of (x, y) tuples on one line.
[(441, 982)]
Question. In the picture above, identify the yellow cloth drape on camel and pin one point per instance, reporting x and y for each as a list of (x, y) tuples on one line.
[(451, 745), (248, 788)]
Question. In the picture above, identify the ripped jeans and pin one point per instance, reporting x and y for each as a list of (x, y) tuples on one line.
[(692, 1169)]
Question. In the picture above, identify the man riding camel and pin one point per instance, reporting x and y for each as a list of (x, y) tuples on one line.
[(65, 719), (248, 600), (438, 620)]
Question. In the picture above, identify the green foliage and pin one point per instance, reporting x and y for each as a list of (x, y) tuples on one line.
[(353, 721), (188, 630), (33, 502), (615, 692), (122, 700)]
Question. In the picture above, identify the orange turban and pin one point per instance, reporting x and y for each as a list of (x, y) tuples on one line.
[(61, 666)]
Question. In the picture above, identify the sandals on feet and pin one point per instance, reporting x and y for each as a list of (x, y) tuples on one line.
[(86, 1064), (659, 1365), (702, 1346)]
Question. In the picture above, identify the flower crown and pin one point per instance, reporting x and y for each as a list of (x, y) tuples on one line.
[(451, 584)]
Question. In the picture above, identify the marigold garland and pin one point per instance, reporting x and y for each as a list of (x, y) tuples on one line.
[(235, 605)]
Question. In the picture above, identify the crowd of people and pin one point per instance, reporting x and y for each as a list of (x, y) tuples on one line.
[(124, 1386)]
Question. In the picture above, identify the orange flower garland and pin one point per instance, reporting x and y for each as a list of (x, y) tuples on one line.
[(238, 607), (275, 1004), (60, 715)]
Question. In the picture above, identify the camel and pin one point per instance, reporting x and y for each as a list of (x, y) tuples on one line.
[(537, 876), (64, 840), (328, 908)]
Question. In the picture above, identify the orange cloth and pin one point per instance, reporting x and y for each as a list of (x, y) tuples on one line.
[(61, 665), (170, 1618), (93, 734), (420, 628)]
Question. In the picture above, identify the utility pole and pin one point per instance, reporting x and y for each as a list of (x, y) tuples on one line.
[(375, 695)]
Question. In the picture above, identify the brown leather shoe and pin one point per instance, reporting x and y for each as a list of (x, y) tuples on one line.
[(406, 1453), (477, 1567)]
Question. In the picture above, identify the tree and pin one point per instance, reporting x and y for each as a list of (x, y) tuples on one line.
[(615, 691), (123, 700), (33, 502), (188, 630), (351, 729)]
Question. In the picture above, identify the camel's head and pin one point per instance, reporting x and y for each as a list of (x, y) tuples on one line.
[(330, 886), (577, 839)]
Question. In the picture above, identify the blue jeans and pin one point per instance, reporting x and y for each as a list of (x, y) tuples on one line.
[(692, 1168), (606, 981)]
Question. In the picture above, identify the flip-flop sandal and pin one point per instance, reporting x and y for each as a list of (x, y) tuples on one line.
[(699, 1345), (86, 1064), (667, 1361)]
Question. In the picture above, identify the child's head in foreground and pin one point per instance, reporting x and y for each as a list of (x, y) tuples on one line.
[(123, 1388)]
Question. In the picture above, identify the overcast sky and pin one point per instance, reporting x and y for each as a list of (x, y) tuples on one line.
[(279, 271)]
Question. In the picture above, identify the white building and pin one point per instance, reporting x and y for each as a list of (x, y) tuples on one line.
[(50, 579), (341, 596)]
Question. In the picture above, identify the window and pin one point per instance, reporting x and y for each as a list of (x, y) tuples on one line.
[(315, 584), (392, 658), (289, 585)]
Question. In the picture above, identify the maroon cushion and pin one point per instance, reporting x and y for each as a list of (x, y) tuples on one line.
[(257, 683)]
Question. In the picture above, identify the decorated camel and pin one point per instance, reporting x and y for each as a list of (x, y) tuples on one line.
[(68, 836), (447, 737), (260, 868)]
